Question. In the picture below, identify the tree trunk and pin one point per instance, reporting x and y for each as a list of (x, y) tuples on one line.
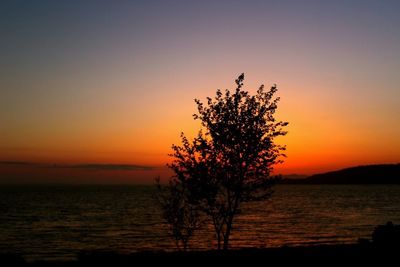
[(228, 232), (185, 244), (219, 241), (230, 222)]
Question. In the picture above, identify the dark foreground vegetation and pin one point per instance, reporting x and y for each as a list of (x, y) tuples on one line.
[(383, 248)]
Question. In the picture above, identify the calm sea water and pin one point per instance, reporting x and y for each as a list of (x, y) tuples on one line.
[(57, 222)]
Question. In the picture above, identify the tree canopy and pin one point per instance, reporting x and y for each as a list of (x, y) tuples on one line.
[(231, 159)]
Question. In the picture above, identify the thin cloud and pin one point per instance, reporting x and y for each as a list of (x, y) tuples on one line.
[(121, 167), (16, 163), (84, 166)]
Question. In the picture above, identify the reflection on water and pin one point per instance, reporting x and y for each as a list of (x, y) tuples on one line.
[(57, 222)]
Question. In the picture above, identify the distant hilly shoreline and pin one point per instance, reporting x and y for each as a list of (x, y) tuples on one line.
[(367, 174)]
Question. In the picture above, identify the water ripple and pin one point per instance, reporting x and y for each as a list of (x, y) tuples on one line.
[(58, 222)]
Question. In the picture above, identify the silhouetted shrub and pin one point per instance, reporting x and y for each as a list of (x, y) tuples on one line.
[(181, 215), (387, 235)]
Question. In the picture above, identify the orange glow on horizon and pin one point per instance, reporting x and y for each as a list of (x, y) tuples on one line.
[(329, 139)]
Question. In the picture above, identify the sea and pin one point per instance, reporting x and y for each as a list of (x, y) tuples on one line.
[(60, 222)]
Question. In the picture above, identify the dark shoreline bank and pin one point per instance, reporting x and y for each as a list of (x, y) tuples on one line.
[(323, 254)]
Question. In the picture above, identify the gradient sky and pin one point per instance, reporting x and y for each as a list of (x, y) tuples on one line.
[(106, 82)]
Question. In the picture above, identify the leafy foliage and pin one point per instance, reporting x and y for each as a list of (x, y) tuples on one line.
[(231, 159)]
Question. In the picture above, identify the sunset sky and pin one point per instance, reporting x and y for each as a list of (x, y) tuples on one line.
[(97, 91)]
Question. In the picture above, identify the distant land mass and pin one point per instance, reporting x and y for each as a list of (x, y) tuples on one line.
[(294, 176), (368, 174)]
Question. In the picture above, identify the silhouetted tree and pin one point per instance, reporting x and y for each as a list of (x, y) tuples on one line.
[(230, 161)]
